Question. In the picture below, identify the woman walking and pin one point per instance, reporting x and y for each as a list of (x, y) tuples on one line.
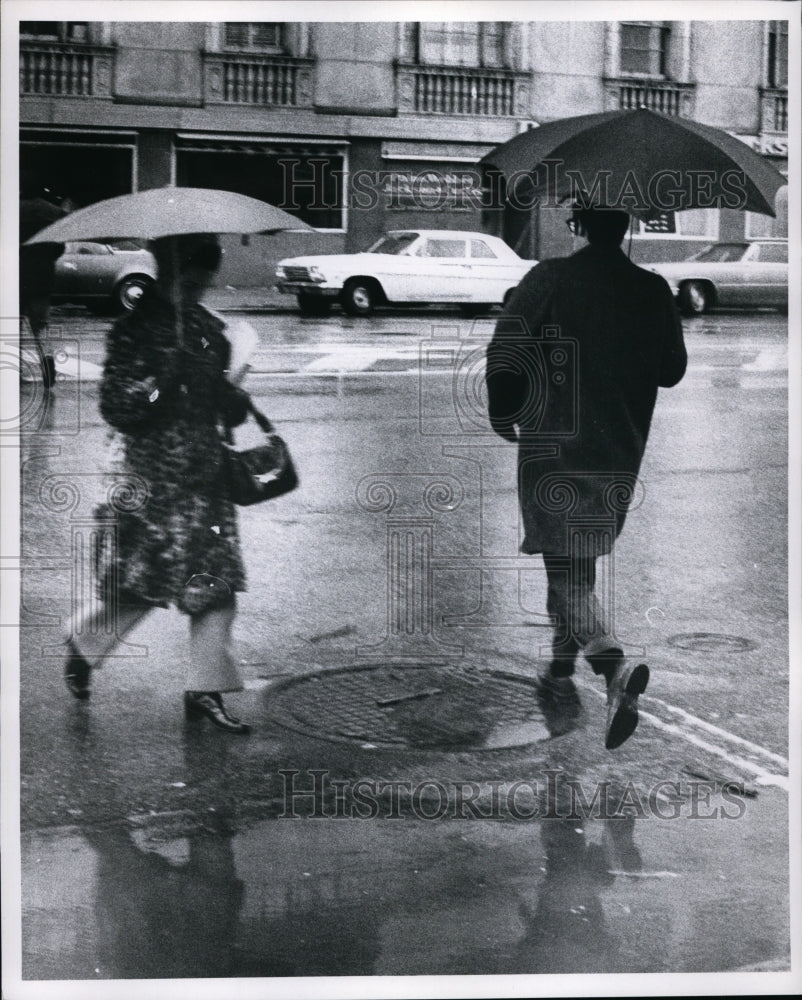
[(166, 389)]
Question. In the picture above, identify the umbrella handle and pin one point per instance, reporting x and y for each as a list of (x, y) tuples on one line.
[(177, 297), (179, 323)]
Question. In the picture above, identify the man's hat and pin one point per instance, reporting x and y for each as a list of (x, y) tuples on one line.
[(585, 204)]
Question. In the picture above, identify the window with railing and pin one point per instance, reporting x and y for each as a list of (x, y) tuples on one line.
[(253, 36), (647, 65), (55, 31), (253, 67), (774, 92), (58, 59), (644, 48), (457, 43), (460, 68), (777, 55), (668, 98)]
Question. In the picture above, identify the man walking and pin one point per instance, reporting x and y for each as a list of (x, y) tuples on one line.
[(572, 376)]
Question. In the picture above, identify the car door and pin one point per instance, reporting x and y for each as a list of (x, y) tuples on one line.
[(491, 275), (731, 273), (446, 272), (769, 277), (85, 268)]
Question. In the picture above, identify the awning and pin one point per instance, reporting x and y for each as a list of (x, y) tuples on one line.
[(248, 145)]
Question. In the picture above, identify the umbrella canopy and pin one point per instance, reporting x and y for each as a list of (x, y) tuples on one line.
[(170, 211), (641, 161)]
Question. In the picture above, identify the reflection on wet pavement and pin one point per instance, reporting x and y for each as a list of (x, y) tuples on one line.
[(299, 897), (205, 879)]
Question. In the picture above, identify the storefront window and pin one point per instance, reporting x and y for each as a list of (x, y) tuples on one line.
[(306, 184), (76, 169), (760, 226), (695, 223)]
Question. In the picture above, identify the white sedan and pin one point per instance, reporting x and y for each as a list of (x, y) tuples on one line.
[(473, 270), (745, 274)]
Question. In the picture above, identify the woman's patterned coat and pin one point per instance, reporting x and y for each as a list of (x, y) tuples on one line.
[(167, 395)]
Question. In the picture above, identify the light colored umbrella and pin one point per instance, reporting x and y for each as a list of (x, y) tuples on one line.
[(657, 156), (169, 211)]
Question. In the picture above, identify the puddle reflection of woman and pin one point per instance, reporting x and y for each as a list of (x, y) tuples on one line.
[(171, 921), (165, 389)]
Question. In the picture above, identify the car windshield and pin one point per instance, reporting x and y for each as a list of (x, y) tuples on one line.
[(721, 252), (393, 243), (125, 245)]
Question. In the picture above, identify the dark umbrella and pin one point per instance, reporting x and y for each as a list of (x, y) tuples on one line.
[(35, 214), (170, 211), (640, 161)]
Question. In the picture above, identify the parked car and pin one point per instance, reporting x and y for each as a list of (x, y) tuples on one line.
[(103, 276), (404, 266), (730, 274)]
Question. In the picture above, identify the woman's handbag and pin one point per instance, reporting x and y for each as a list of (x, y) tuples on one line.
[(259, 473)]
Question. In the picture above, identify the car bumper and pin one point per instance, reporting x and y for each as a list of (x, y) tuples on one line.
[(309, 288)]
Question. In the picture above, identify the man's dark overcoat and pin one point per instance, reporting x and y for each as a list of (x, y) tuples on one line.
[(612, 335)]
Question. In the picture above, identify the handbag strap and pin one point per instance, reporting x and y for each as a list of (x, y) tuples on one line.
[(258, 416)]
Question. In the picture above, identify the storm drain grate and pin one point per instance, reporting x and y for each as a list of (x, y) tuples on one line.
[(413, 706), (711, 642)]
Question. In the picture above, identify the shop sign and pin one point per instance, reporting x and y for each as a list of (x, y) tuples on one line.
[(431, 189), (767, 145)]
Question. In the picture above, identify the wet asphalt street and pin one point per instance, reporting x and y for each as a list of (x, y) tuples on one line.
[(154, 849)]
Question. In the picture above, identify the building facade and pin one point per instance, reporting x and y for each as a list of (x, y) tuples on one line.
[(360, 127)]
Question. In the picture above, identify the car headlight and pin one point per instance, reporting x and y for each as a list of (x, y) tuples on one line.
[(280, 272), (316, 274)]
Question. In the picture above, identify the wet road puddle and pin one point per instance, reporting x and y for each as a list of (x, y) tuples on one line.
[(397, 894), (414, 706)]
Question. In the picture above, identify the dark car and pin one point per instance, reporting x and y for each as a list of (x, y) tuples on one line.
[(103, 276)]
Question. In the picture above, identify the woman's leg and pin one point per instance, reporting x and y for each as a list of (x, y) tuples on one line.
[(97, 631), (212, 665), (213, 668)]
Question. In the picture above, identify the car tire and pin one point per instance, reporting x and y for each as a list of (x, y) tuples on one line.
[(359, 297), (312, 305), (695, 298), (129, 291)]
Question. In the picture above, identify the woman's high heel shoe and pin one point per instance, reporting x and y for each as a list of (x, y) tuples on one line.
[(210, 704), (77, 673)]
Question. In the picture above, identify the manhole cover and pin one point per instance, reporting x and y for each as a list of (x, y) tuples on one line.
[(413, 706), (711, 642)]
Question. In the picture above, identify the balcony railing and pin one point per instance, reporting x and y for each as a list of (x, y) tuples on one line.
[(65, 70), (774, 110), (265, 80), (454, 90), (668, 97)]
